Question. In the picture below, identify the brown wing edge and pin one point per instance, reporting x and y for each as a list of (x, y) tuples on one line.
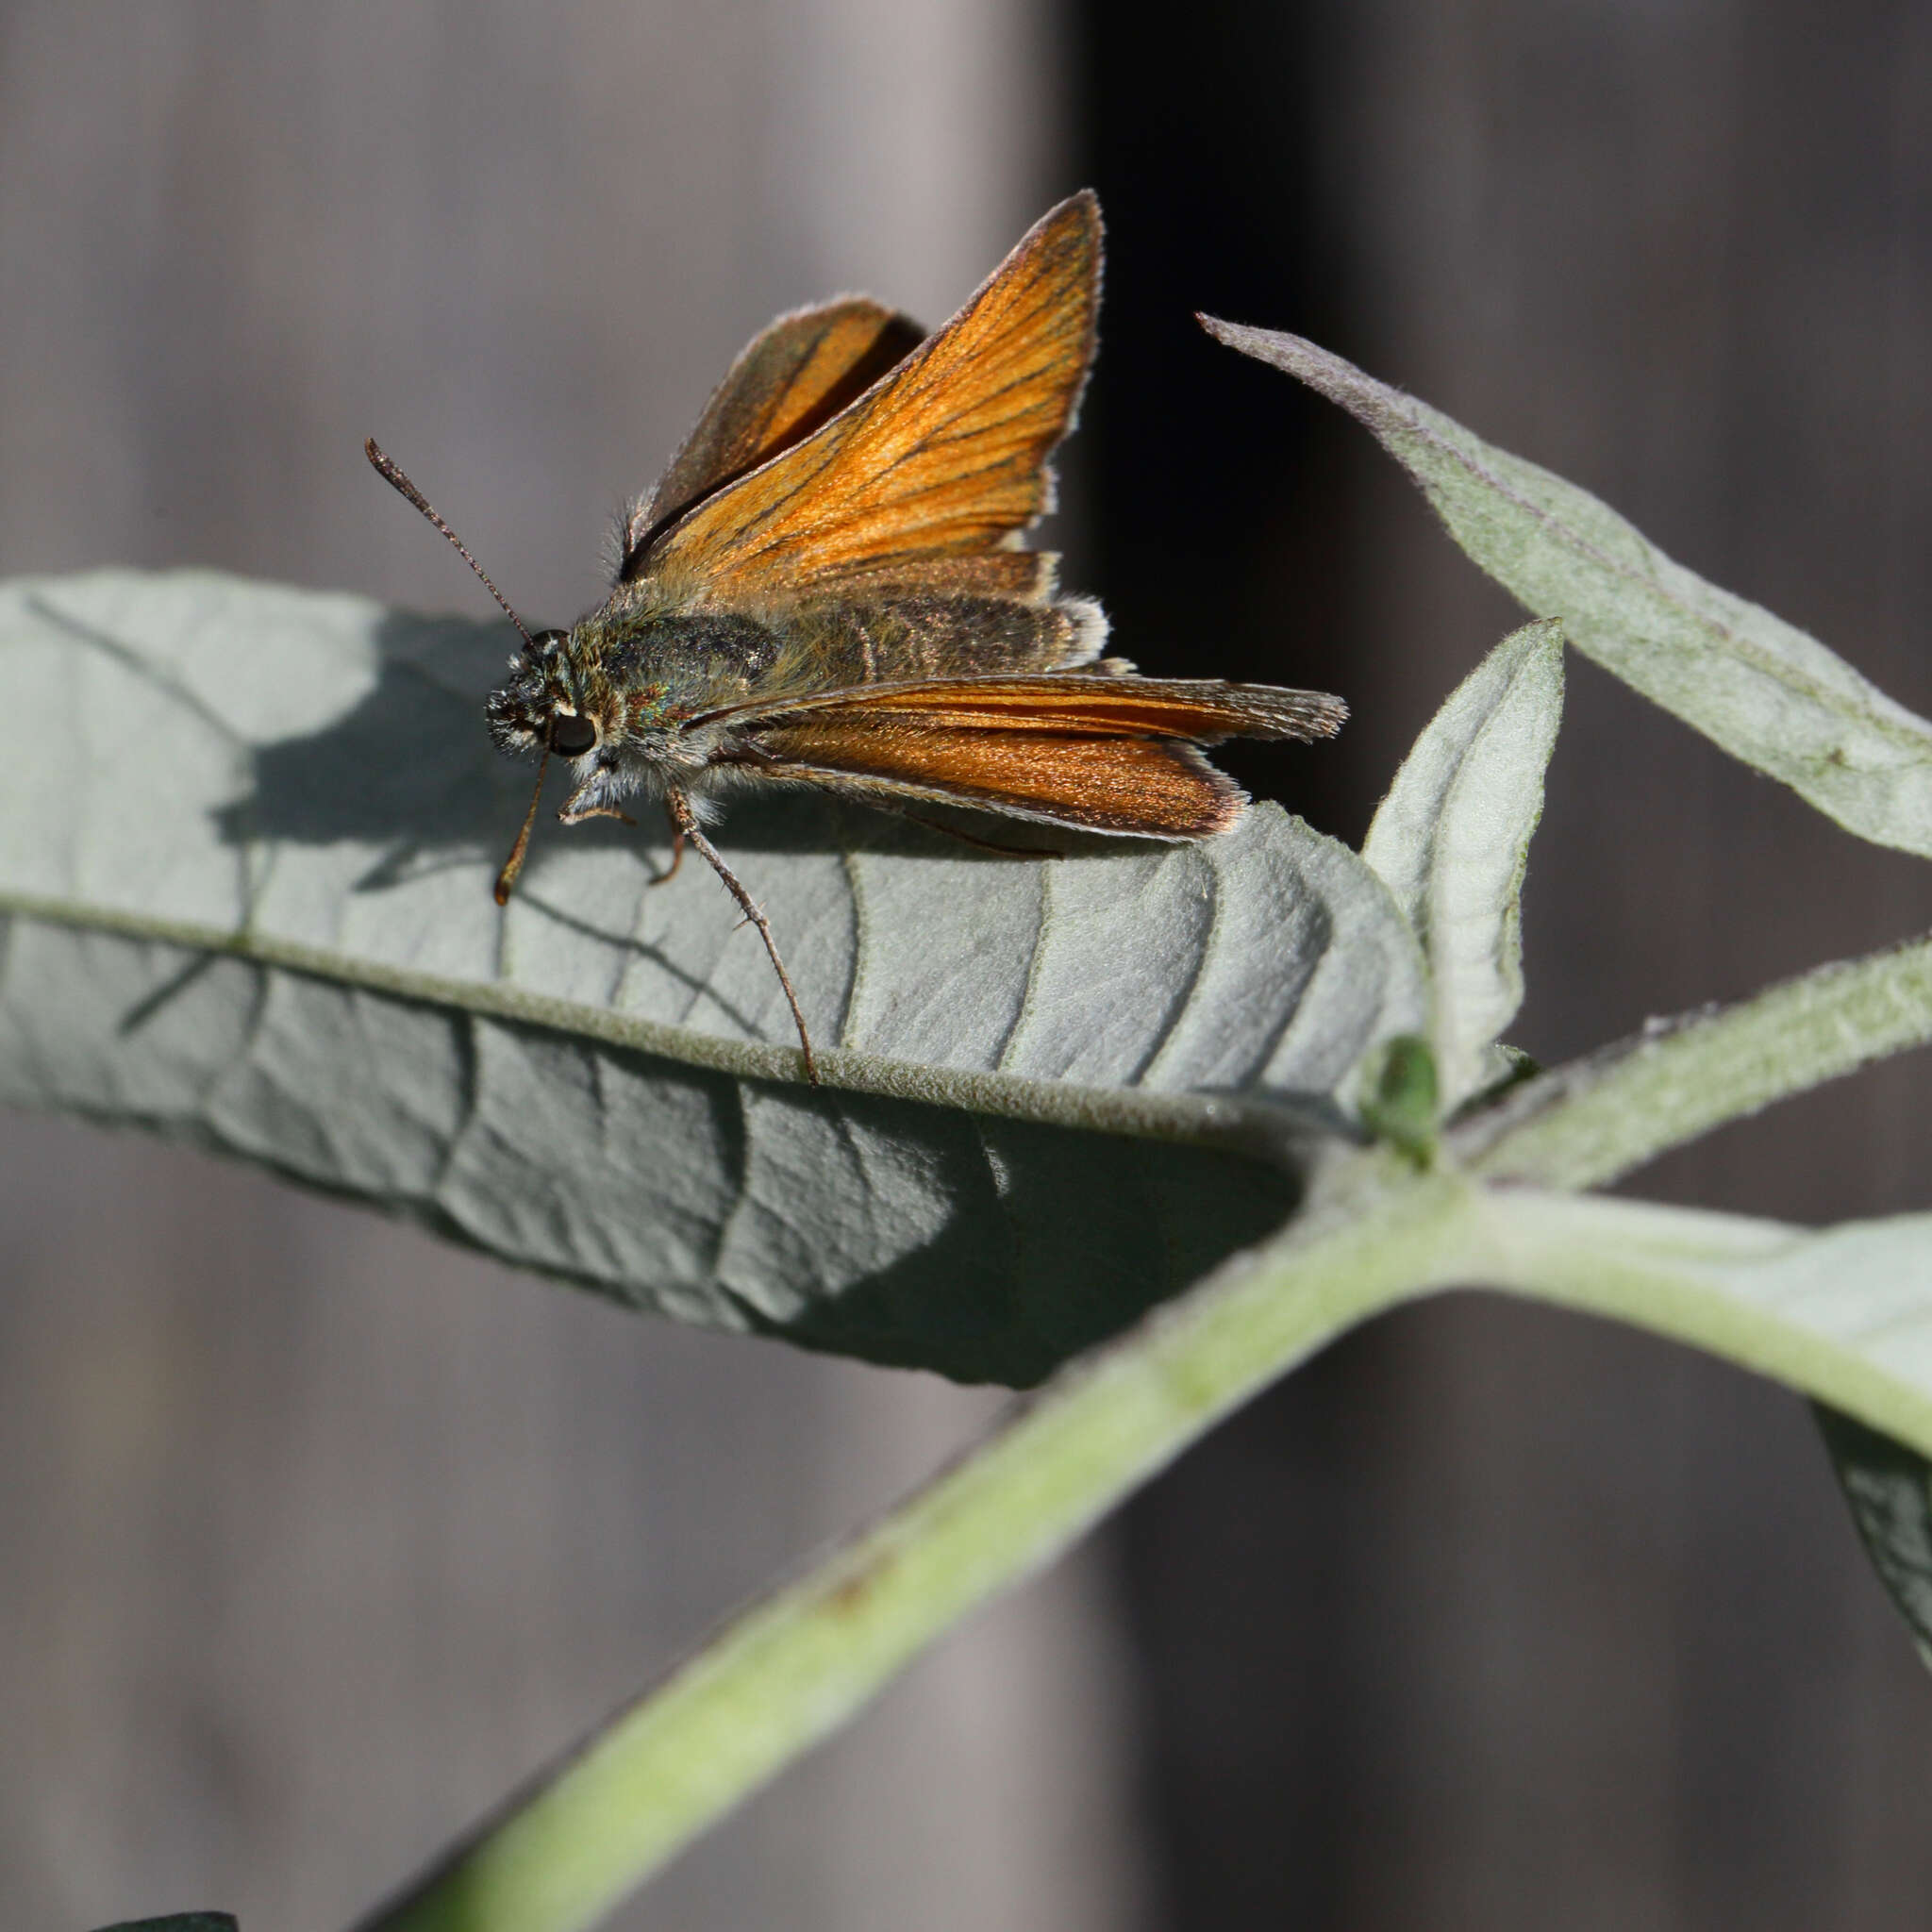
[(801, 370)]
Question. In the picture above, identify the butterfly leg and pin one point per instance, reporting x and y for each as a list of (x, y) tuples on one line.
[(669, 871), (611, 811), (593, 811), (684, 825)]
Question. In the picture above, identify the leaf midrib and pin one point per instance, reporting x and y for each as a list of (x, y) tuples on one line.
[(1247, 1125), (1913, 735), (1405, 414)]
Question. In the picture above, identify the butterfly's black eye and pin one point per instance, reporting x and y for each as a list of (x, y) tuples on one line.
[(546, 638), (570, 735)]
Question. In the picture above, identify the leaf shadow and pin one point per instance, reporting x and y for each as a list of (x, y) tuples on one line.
[(396, 771)]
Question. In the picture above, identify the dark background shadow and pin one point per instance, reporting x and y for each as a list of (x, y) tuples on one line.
[(1526, 1621)]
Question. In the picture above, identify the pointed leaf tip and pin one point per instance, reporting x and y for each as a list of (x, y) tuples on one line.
[(1451, 840), (1759, 688)]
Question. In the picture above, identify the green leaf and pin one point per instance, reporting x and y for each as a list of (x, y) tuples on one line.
[(1889, 1489), (244, 900), (1758, 687), (1452, 843)]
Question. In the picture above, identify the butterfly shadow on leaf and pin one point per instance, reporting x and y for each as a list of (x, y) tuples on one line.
[(409, 772)]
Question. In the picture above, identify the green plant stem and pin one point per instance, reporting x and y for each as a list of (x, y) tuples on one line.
[(792, 1669), (1586, 1124), (1794, 1304)]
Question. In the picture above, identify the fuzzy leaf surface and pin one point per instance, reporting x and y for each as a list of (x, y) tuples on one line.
[(1451, 840), (1763, 689), (244, 900)]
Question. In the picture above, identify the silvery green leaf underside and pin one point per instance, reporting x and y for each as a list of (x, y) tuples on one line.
[(244, 900), (1452, 843), (1761, 688)]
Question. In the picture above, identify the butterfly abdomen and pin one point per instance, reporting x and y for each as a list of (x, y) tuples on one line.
[(888, 638), (647, 647)]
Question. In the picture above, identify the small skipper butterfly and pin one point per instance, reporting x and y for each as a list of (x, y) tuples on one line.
[(827, 588)]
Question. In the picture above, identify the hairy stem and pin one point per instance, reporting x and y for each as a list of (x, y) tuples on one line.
[(1586, 1124), (790, 1670)]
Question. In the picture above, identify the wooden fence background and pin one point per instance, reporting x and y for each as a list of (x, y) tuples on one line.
[(315, 1534)]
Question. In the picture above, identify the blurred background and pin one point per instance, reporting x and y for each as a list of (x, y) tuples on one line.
[(314, 1536)]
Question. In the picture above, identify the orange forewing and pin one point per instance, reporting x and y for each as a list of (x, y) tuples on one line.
[(943, 456), (791, 378), (1074, 704), (1146, 786)]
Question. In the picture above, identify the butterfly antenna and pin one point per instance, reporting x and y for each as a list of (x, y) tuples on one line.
[(506, 878), (391, 473)]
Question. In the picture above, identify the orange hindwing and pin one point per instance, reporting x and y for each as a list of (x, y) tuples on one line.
[(1109, 753), (789, 380), (1150, 786)]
